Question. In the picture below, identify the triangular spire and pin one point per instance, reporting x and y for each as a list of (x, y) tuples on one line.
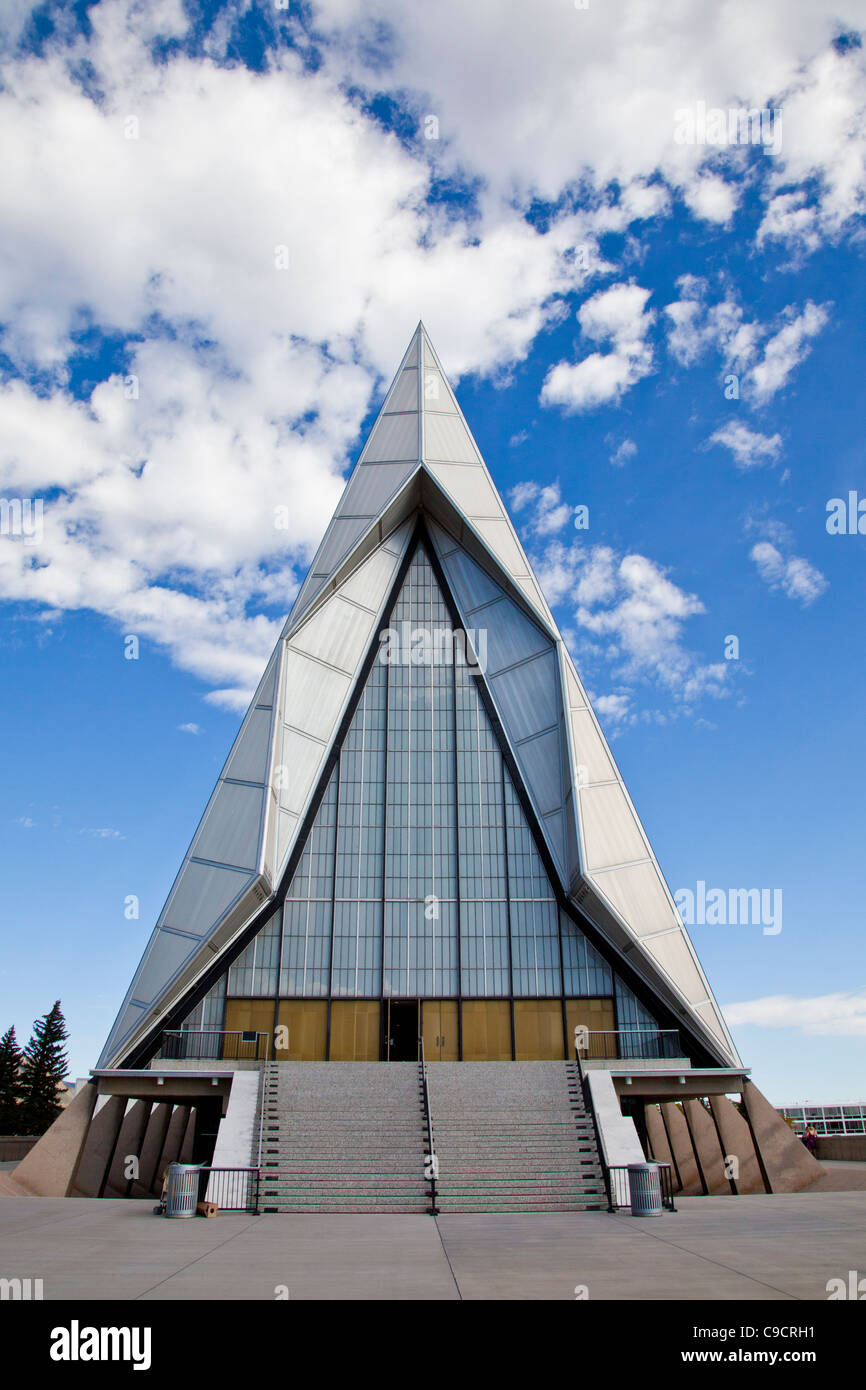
[(420, 458)]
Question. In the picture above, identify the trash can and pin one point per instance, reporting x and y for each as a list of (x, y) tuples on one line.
[(182, 1193), (645, 1189)]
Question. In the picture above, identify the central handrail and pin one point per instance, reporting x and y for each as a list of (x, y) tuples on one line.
[(263, 1082), (586, 1092), (431, 1162)]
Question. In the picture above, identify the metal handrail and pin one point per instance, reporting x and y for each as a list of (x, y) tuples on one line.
[(431, 1162), (235, 1183), (210, 1044), (263, 1081), (637, 1043), (586, 1092)]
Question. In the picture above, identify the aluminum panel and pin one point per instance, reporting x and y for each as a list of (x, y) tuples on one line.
[(610, 833), (539, 761), (437, 393), (373, 485), (393, 437), (314, 695), (468, 487), (471, 585), (301, 759), (447, 438), (166, 957), (574, 692), (501, 541), (707, 1012), (342, 535), (287, 824), (404, 393), (555, 828), (593, 761), (673, 955), (338, 634), (511, 636), (639, 897), (527, 697), (372, 580), (201, 895), (265, 692), (229, 833), (249, 757)]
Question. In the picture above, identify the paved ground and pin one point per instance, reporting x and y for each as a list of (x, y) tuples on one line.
[(712, 1248)]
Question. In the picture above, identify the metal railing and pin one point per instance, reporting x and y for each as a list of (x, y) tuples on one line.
[(619, 1192), (213, 1045), (625, 1043), (586, 1092), (431, 1162), (232, 1189)]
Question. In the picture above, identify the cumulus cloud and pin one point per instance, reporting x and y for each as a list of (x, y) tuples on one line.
[(637, 614), (545, 513), (749, 448), (829, 1015), (622, 452), (187, 183), (616, 317), (764, 354), (790, 573)]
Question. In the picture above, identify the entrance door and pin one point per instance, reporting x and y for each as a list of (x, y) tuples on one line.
[(439, 1027), (401, 1030)]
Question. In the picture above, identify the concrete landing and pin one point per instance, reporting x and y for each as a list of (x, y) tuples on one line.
[(761, 1248)]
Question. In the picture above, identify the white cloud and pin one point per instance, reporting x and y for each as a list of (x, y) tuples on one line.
[(617, 316), (623, 452), (549, 513), (764, 354), (189, 729), (638, 614), (104, 833), (749, 448), (253, 382), (24, 821), (790, 573), (829, 1015), (786, 350)]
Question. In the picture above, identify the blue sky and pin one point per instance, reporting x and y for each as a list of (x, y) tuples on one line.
[(591, 286)]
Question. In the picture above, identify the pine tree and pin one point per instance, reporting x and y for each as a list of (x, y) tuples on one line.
[(43, 1068), (10, 1082)]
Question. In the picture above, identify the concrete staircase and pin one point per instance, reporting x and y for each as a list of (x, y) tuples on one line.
[(513, 1136), (343, 1137)]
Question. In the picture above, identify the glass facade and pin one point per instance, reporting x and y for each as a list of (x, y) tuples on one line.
[(421, 877)]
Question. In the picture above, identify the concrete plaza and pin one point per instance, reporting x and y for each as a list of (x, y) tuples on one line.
[(762, 1247)]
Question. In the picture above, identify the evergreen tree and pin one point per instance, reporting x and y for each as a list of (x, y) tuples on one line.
[(10, 1082), (43, 1068)]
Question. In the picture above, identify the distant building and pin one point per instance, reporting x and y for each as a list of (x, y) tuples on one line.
[(827, 1119)]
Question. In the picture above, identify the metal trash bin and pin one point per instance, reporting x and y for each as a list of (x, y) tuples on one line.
[(645, 1189), (182, 1191)]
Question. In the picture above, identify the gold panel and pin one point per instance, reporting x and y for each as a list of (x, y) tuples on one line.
[(439, 1026), (597, 1015), (306, 1021), (538, 1030), (247, 1016), (486, 1030), (355, 1030)]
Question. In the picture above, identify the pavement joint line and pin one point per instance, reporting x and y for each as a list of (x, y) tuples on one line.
[(718, 1263), (448, 1258), (203, 1256)]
